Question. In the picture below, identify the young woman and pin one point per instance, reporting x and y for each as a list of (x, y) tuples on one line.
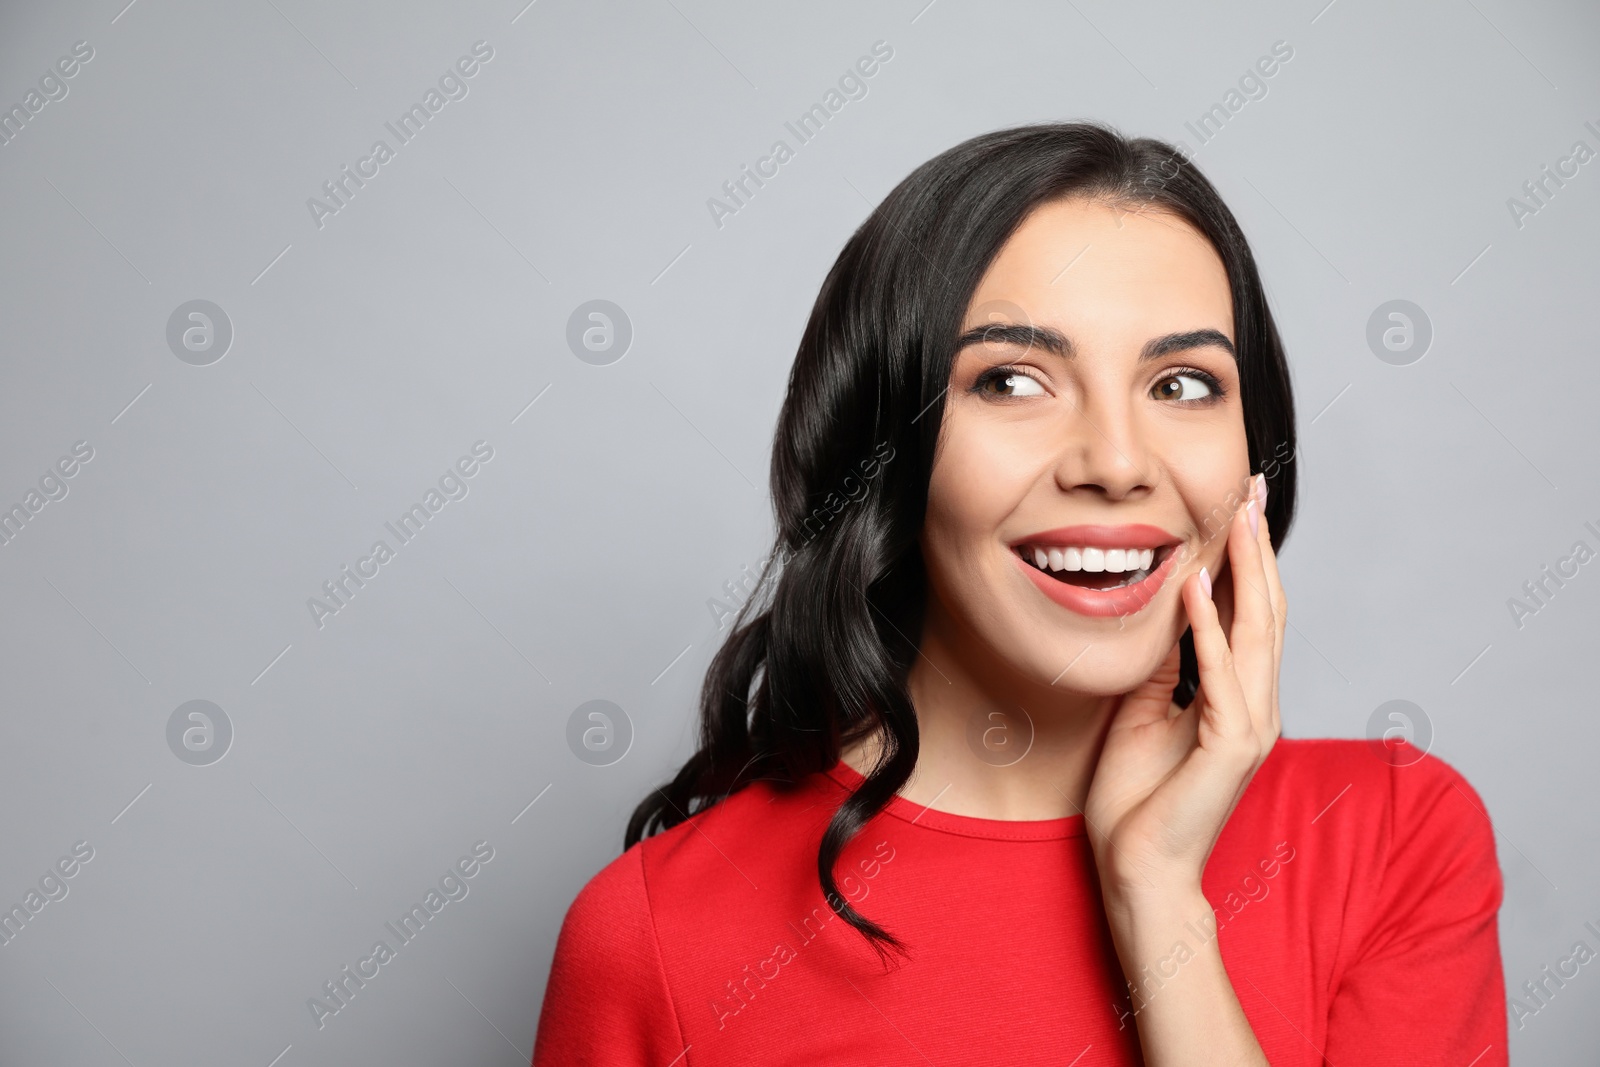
[(990, 768)]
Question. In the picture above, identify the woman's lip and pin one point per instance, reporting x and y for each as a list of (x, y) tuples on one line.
[(1096, 535), (1100, 603)]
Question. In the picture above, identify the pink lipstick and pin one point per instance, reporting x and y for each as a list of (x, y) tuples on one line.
[(1099, 570)]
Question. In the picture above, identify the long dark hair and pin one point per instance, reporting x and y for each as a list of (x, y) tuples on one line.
[(819, 655)]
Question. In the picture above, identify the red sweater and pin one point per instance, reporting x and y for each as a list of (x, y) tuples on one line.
[(1356, 907)]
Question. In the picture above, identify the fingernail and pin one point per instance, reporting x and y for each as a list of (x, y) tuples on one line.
[(1205, 581), (1255, 516), (1261, 490)]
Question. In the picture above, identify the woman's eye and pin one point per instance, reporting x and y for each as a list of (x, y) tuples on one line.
[(1182, 387), (1001, 382)]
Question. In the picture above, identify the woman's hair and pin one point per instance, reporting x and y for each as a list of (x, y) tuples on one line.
[(819, 655)]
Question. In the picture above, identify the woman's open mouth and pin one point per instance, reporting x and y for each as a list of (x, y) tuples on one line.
[(1099, 570), (1089, 567)]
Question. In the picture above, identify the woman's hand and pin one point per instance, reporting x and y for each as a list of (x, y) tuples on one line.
[(1166, 782), (1168, 778)]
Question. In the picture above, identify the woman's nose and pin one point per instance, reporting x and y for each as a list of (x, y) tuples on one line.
[(1103, 448)]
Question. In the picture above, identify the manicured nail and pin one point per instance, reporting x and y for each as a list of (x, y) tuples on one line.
[(1255, 517), (1205, 581), (1261, 490)]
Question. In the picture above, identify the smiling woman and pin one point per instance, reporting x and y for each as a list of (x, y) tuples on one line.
[(1062, 335), (1135, 397)]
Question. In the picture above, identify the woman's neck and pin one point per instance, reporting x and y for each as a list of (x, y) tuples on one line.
[(993, 746)]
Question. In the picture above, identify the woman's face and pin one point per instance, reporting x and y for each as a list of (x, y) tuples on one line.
[(1095, 428)]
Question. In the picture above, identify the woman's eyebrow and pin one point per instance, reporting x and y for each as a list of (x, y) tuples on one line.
[(1057, 343), (1157, 347)]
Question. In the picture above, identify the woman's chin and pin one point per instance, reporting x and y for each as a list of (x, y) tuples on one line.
[(1106, 667)]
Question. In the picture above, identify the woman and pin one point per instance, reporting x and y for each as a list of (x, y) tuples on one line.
[(990, 768)]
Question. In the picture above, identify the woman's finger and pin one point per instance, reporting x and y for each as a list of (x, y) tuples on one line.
[(1228, 749), (1252, 636), (1269, 560), (1280, 602), (1225, 714)]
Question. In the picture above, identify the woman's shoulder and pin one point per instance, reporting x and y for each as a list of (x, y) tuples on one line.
[(1389, 885), (717, 855), (1322, 774), (1385, 820), (634, 923)]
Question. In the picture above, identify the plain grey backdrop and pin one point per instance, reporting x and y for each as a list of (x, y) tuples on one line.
[(259, 389)]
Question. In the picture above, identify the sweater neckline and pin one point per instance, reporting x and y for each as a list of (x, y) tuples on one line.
[(964, 825)]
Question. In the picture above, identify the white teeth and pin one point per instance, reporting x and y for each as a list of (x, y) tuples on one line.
[(1088, 558)]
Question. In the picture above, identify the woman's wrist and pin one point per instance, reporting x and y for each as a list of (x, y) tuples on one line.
[(1149, 916), (1130, 886), (1180, 997)]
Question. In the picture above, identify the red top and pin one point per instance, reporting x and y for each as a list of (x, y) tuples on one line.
[(1355, 903)]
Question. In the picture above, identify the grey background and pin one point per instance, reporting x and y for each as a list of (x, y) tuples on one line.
[(370, 354)]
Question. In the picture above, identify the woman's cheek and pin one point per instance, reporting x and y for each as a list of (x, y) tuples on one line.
[(967, 491), (1212, 478)]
